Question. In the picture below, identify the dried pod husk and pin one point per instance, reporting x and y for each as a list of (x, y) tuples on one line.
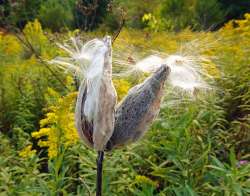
[(96, 102), (138, 109)]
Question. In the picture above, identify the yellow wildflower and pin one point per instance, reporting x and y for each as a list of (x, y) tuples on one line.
[(237, 26), (50, 117), (43, 143), (146, 17), (40, 133), (247, 16), (27, 152), (34, 32), (11, 45), (122, 87), (145, 180), (211, 68), (57, 128)]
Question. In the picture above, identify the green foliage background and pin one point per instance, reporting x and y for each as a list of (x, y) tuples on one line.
[(59, 15), (196, 147)]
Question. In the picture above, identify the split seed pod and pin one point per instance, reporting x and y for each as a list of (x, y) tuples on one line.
[(138, 109), (100, 123), (96, 100)]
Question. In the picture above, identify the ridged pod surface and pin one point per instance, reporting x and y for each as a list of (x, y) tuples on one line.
[(138, 109)]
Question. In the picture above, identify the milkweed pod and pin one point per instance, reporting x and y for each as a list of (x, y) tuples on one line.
[(138, 109), (96, 99)]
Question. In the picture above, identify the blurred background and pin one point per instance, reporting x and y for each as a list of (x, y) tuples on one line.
[(87, 15), (198, 145)]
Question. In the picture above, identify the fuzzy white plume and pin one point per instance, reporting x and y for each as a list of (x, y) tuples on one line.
[(87, 62), (81, 56), (185, 73)]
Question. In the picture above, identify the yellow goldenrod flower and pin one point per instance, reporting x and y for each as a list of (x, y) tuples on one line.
[(211, 68), (145, 180), (34, 32), (122, 87), (27, 152), (146, 17), (11, 45), (57, 128)]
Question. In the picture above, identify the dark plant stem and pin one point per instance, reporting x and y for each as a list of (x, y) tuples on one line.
[(122, 23), (99, 161)]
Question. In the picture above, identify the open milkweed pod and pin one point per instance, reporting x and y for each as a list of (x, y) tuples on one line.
[(96, 99), (138, 109)]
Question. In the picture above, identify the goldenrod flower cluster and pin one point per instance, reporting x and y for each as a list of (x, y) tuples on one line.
[(145, 180), (34, 33), (27, 152), (11, 45), (238, 33), (211, 68), (238, 26), (57, 128), (122, 87)]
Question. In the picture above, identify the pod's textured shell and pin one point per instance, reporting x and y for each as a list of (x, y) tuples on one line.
[(138, 109), (97, 131)]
